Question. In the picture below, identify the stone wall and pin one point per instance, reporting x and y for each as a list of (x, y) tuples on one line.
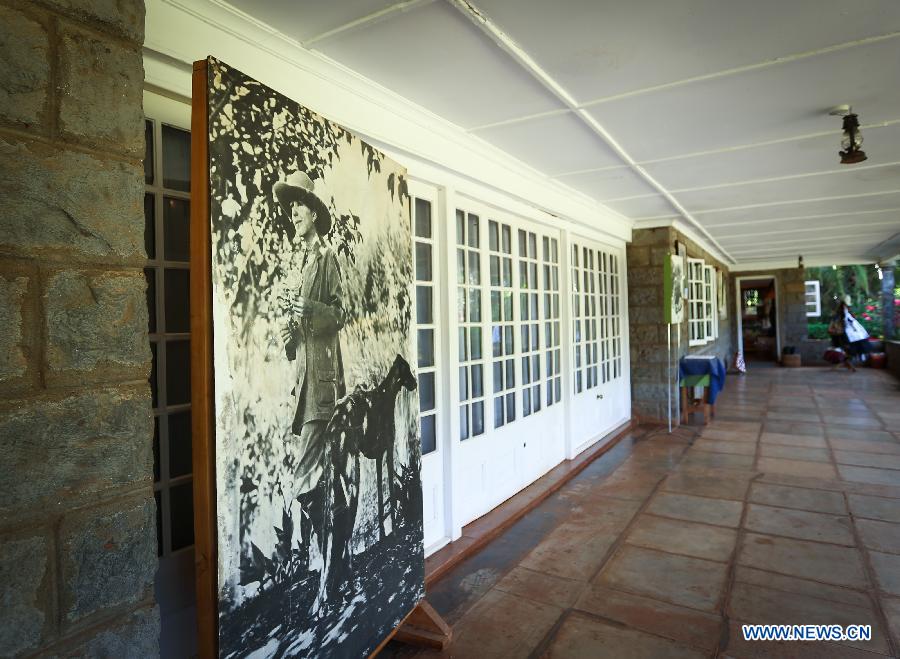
[(648, 333), (77, 530)]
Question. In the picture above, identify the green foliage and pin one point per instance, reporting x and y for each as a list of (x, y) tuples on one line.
[(861, 284)]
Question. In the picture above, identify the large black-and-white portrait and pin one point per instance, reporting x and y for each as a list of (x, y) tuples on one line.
[(318, 488)]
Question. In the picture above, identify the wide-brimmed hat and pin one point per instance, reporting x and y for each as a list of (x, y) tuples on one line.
[(299, 187)]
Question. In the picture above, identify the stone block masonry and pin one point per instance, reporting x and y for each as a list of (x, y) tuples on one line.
[(77, 514), (648, 336)]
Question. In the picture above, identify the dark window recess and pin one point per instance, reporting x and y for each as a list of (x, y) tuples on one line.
[(150, 226), (148, 151), (153, 396), (159, 529), (429, 440), (177, 286), (177, 226), (423, 218), (181, 503), (155, 449), (176, 148), (178, 372), (179, 444), (426, 392), (150, 276)]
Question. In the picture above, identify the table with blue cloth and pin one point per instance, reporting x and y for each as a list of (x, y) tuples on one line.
[(697, 369)]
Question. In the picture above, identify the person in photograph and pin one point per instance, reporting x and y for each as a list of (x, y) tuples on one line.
[(314, 315)]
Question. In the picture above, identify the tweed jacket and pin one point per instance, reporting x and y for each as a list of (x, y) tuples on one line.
[(315, 343)]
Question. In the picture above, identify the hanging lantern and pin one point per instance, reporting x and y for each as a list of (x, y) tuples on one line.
[(851, 141)]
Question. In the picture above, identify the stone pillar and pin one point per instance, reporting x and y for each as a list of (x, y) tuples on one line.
[(887, 301), (77, 529)]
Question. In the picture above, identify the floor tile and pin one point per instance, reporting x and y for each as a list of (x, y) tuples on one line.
[(882, 536), (891, 608), (795, 452), (794, 428), (541, 587), (724, 446), (583, 637), (853, 421), (758, 605), (820, 501), (792, 585), (832, 564), (502, 625), (692, 582), (861, 459), (796, 467), (811, 417), (807, 441), (888, 448), (887, 510), (714, 432), (800, 524), (707, 484), (688, 626), (887, 571), (869, 475), (678, 536), (869, 435), (710, 460), (628, 487), (696, 509)]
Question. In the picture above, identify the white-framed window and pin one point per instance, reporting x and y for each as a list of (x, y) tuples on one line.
[(813, 298), (552, 350), (167, 202), (427, 321), (471, 357), (611, 324), (503, 322), (584, 307), (710, 313), (696, 304), (530, 327)]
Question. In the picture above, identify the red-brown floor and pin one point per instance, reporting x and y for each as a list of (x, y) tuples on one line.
[(785, 509)]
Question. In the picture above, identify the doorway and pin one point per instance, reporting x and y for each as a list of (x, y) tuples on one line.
[(758, 335)]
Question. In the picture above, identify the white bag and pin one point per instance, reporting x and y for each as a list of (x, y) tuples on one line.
[(854, 329)]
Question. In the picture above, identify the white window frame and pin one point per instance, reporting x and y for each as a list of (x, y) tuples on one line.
[(710, 315), (814, 305), (696, 303)]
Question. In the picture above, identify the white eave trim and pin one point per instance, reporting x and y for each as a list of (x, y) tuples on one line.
[(179, 32)]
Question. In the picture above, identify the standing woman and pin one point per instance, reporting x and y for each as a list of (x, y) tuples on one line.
[(315, 315), (857, 336)]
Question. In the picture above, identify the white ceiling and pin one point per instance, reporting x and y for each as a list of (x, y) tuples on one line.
[(711, 112)]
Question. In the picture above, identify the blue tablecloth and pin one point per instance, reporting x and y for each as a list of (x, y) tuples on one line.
[(714, 366)]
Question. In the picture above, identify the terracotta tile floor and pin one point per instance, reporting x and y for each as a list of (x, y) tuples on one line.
[(784, 509)]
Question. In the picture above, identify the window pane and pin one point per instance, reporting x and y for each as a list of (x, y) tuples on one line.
[(423, 262), (176, 147), (423, 218), (496, 340), (460, 227), (429, 439), (423, 305), (477, 381), (426, 392), (150, 276), (463, 345), (498, 376), (159, 531), (463, 382), (460, 266), (153, 389), (148, 151), (506, 239), (495, 306), (475, 342), (472, 230), (474, 305), (495, 270), (177, 284), (177, 229), (499, 416), (493, 236), (464, 422), (477, 418), (178, 372), (426, 347), (150, 225), (181, 507), (179, 444), (155, 449), (474, 268), (523, 245), (510, 407)]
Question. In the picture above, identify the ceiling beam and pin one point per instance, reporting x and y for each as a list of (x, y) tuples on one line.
[(523, 59), (364, 20)]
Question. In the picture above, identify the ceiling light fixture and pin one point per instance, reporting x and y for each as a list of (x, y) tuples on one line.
[(852, 138)]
